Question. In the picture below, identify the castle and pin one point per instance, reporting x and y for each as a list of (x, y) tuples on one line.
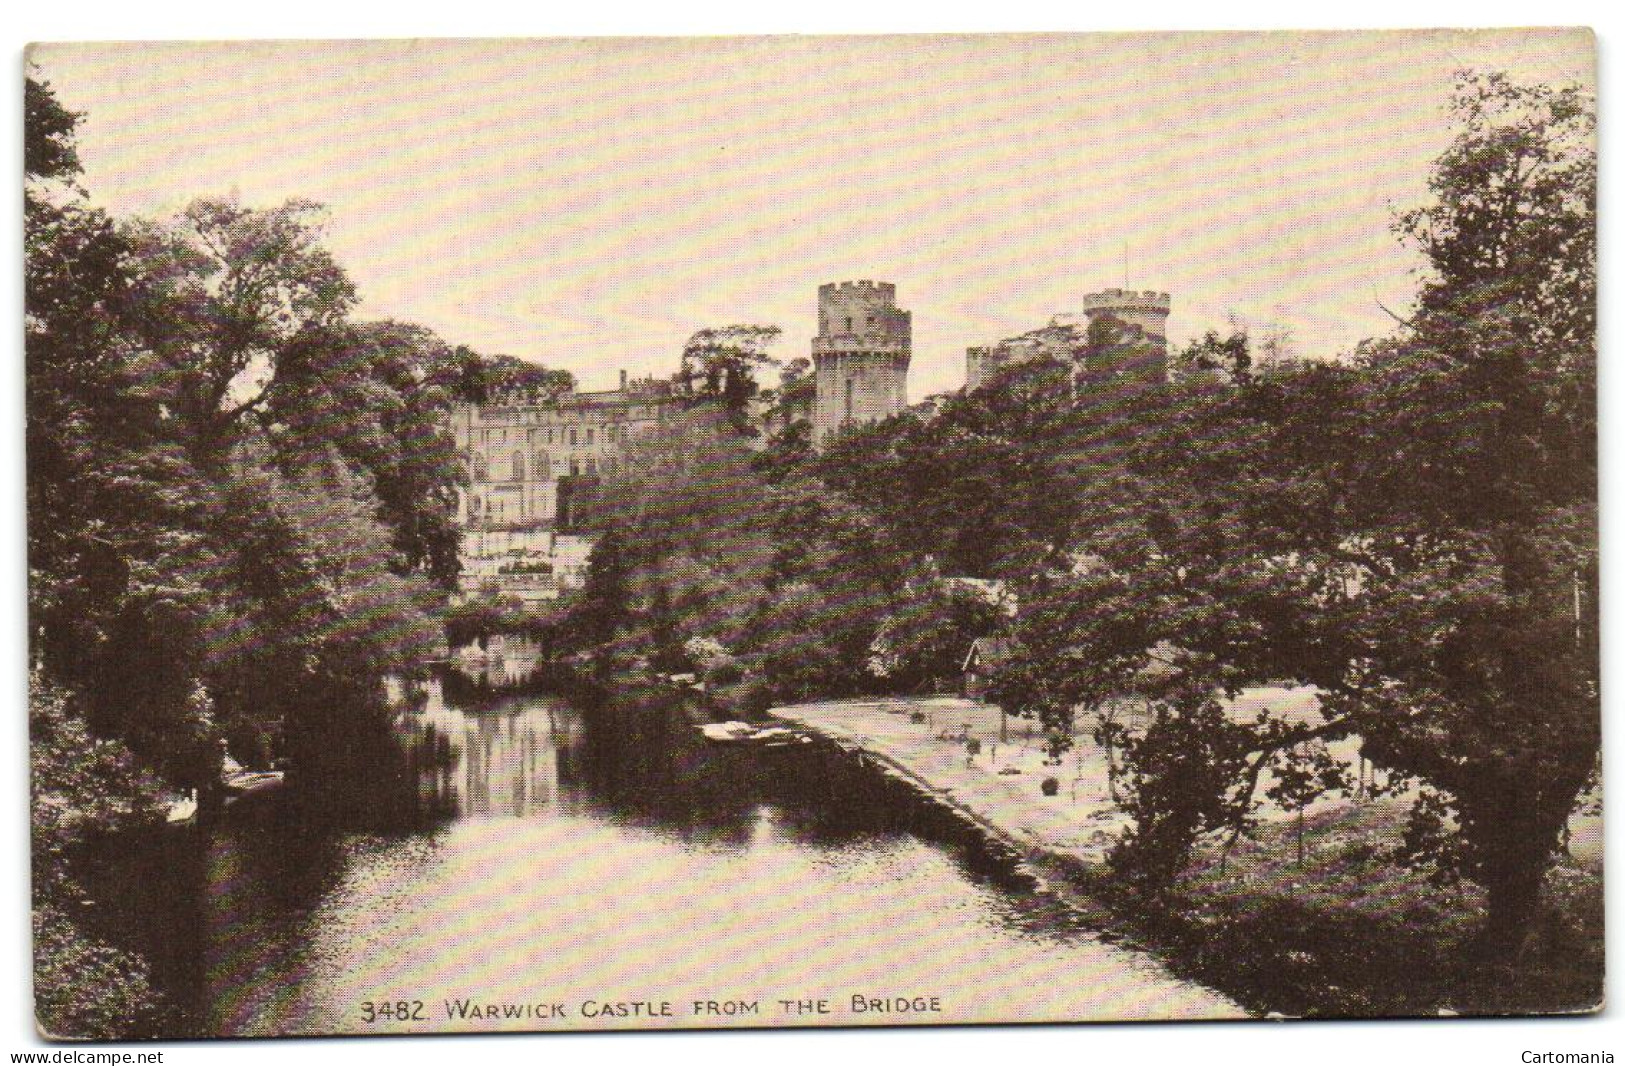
[(860, 356), (1142, 320), (532, 458), (529, 460)]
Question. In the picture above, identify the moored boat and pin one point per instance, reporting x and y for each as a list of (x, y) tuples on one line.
[(773, 736), (728, 732)]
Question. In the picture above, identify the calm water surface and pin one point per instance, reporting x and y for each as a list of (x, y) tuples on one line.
[(565, 866)]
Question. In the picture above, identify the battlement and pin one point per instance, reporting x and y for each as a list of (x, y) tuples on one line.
[(895, 346), (1127, 300), (883, 290)]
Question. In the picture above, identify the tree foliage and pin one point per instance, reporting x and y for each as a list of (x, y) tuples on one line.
[(721, 365), (927, 631), (1412, 535), (234, 491)]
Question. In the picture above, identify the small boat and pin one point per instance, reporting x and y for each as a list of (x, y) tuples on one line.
[(728, 732), (251, 781), (239, 783), (775, 736)]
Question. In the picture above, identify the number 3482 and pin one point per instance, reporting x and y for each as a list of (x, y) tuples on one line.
[(400, 1010)]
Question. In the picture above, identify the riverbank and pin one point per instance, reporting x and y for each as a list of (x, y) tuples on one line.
[(1058, 841), (1323, 924), (998, 787)]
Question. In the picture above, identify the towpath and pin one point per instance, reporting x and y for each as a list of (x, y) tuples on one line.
[(999, 786)]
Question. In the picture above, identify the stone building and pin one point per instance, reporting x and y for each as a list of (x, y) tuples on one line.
[(529, 457), (860, 356), (1058, 340), (1142, 318)]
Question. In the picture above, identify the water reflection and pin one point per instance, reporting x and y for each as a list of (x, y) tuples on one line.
[(558, 856)]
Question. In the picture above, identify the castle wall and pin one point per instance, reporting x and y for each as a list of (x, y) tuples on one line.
[(516, 449)]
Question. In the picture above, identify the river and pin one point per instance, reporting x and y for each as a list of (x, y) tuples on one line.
[(616, 871)]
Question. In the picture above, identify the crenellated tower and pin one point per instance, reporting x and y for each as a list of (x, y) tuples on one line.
[(860, 355), (1144, 318)]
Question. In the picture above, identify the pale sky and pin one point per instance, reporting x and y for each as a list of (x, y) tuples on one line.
[(589, 204)]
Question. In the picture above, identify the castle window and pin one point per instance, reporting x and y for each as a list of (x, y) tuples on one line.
[(572, 434), (541, 467), (849, 323), (518, 466), (589, 435), (849, 399), (592, 467), (480, 471)]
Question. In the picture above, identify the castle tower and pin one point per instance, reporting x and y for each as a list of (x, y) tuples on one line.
[(860, 356), (1145, 314)]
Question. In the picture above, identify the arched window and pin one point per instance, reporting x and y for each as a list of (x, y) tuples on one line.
[(518, 466)]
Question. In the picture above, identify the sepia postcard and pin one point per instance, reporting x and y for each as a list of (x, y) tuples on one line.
[(696, 533)]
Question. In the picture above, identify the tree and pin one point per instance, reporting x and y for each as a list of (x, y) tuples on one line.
[(475, 378), (1511, 231), (1228, 357), (925, 638), (48, 131), (605, 597), (226, 294), (692, 510), (116, 572), (984, 487), (117, 551), (1412, 535), (721, 365), (378, 393), (798, 388)]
